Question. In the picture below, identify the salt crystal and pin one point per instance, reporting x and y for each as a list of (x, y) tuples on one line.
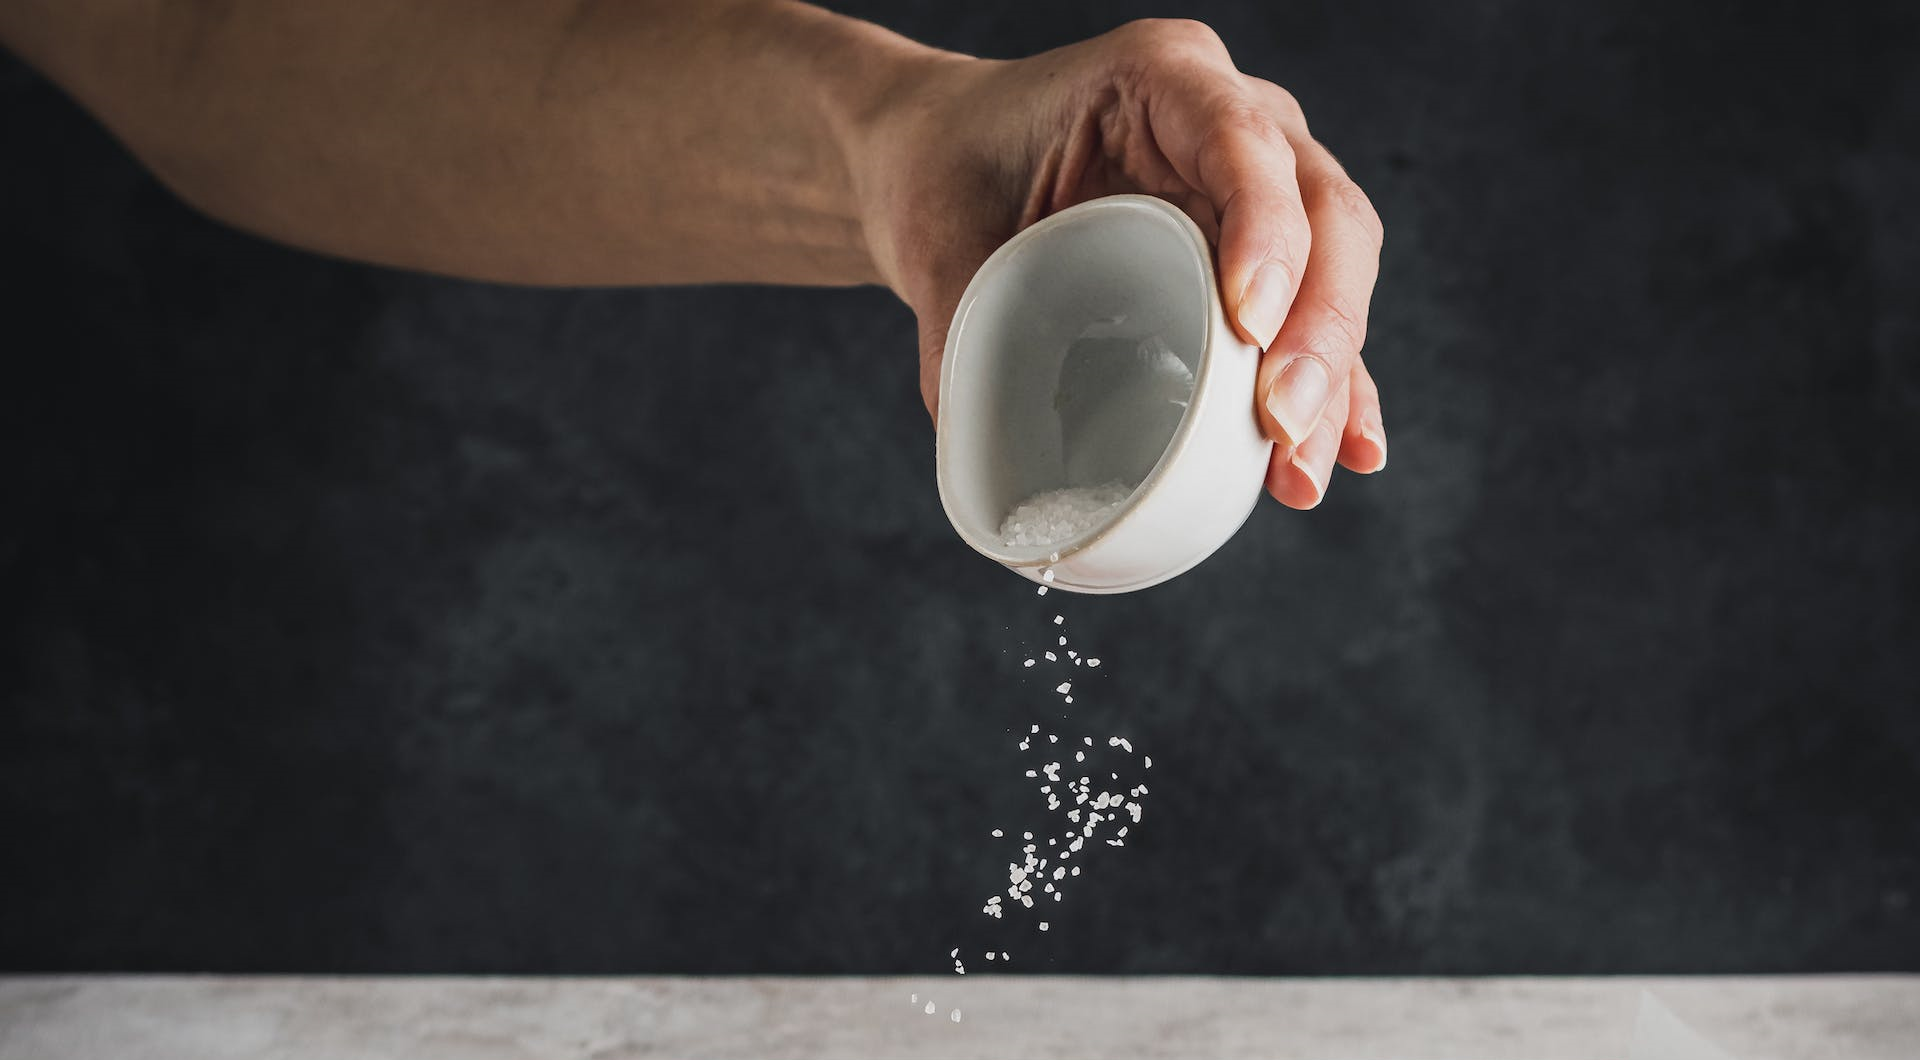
[(1051, 657), (1026, 835), (1125, 746), (1046, 575), (989, 955), (929, 1008), (1057, 619), (1065, 687), (916, 999), (1029, 662), (1078, 756), (1063, 642), (1036, 728), (997, 833), (1149, 761), (1095, 663), (1043, 925), (955, 953), (1043, 590), (1059, 516), (956, 1015)]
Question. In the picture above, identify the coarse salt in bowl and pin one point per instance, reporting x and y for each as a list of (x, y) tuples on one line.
[(1096, 407)]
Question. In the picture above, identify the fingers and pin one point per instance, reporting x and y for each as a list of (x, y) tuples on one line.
[(1317, 351), (1228, 142), (1298, 477), (1363, 444)]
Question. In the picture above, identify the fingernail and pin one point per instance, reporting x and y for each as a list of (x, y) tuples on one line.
[(1372, 431), (1264, 305), (1319, 487), (1299, 396)]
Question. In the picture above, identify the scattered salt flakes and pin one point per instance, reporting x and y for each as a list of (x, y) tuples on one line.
[(1031, 773), (1122, 833), (1133, 808), (1048, 888), (1065, 687), (1029, 662), (1116, 842), (1023, 745), (989, 955), (1036, 728), (1075, 845), (1125, 746), (1051, 657), (1095, 663), (1026, 835), (1076, 870), (1069, 699), (929, 1008), (956, 1015), (1074, 655), (916, 999), (1046, 575), (1113, 741), (955, 952), (1063, 642), (1088, 739), (1051, 738), (1059, 872), (1003, 955), (997, 833), (1079, 756), (1076, 662), (1043, 925), (1058, 619), (1043, 590), (1149, 760)]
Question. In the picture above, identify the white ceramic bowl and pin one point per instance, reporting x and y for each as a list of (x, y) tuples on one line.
[(1064, 365)]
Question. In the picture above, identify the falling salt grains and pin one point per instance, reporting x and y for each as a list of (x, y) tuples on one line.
[(930, 1008), (997, 833), (1029, 662), (1058, 619), (1043, 925), (956, 1015), (1051, 657), (1093, 663)]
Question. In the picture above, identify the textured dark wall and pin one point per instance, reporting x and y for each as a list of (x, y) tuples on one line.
[(352, 620)]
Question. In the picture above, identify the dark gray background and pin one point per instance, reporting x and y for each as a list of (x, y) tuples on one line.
[(352, 620)]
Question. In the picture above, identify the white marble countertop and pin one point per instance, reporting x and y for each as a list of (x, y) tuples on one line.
[(1005, 1016)]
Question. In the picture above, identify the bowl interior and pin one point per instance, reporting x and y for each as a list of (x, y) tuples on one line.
[(1072, 365)]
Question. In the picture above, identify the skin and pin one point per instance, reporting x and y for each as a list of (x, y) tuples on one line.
[(616, 142)]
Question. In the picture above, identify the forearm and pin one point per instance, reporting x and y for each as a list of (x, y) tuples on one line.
[(618, 142)]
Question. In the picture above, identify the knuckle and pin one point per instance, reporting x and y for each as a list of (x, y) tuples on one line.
[(1169, 37), (1352, 203), (1339, 328), (1281, 103)]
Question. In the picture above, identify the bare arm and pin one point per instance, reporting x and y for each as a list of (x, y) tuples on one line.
[(685, 141), (539, 141)]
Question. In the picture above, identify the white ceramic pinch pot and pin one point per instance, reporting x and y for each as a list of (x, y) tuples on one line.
[(1091, 350)]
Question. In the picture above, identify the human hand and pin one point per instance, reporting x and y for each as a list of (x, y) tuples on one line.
[(971, 151)]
